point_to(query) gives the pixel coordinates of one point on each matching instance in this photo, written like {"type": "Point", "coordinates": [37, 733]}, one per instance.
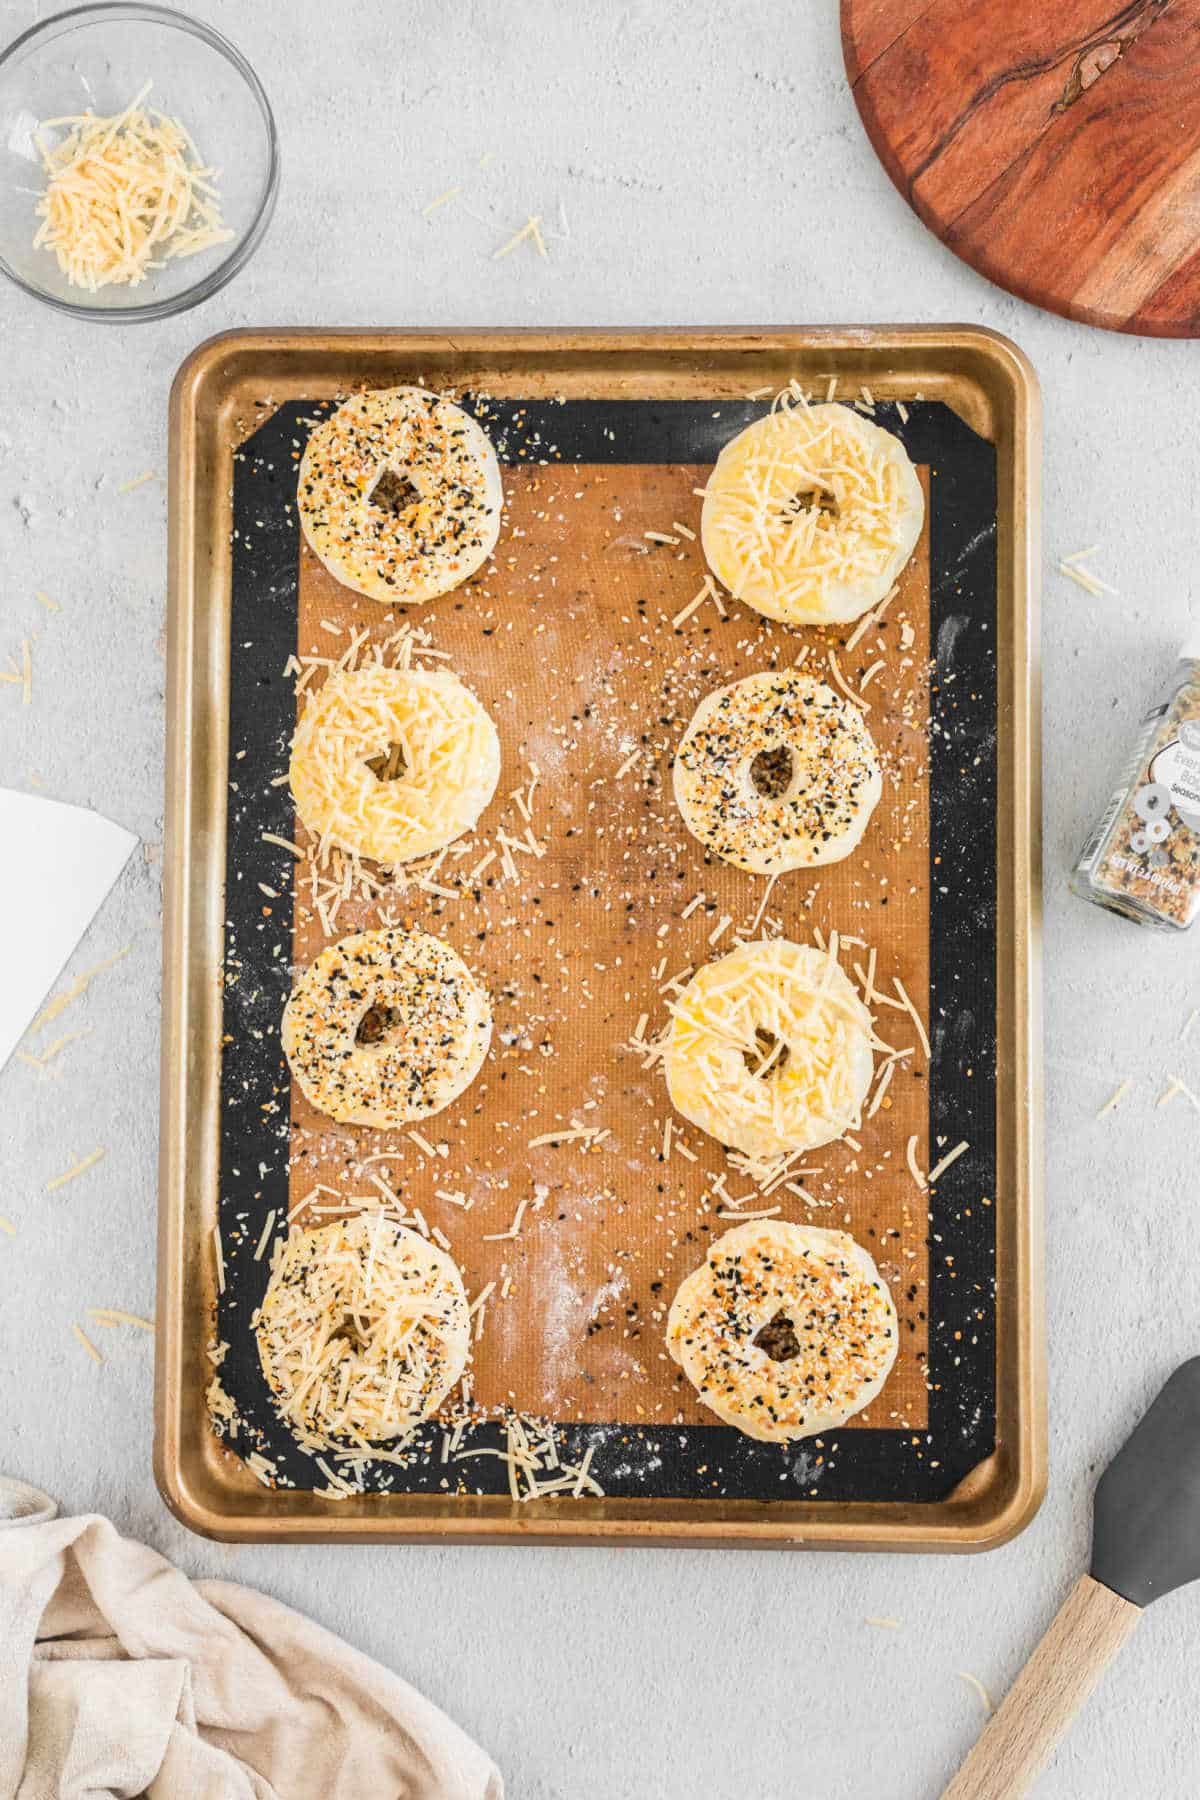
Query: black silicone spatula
{"type": "Point", "coordinates": [1145, 1542]}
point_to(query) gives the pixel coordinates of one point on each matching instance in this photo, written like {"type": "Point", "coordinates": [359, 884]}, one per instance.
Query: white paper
{"type": "Point", "coordinates": [59, 862]}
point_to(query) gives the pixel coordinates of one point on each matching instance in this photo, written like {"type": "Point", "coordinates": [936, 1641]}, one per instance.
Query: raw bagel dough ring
{"type": "Point", "coordinates": [435, 1024]}
{"type": "Point", "coordinates": [826, 802]}
{"type": "Point", "coordinates": [833, 1322]}
{"type": "Point", "coordinates": [451, 761]}
{"type": "Point", "coordinates": [380, 1312]}
{"type": "Point", "coordinates": [400, 495]}
{"type": "Point", "coordinates": [770, 542]}
{"type": "Point", "coordinates": [791, 1009]}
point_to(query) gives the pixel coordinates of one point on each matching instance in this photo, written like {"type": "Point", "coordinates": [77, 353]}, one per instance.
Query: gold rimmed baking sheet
{"type": "Point", "coordinates": [569, 641]}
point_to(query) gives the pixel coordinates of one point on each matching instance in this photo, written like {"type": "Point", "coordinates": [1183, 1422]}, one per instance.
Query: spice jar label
{"type": "Point", "coordinates": [1177, 769]}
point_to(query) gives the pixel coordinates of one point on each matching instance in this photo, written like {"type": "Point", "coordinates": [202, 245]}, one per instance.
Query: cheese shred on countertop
{"type": "Point", "coordinates": [123, 195]}
{"type": "Point", "coordinates": [86, 1342]}
{"type": "Point", "coordinates": [76, 1169]}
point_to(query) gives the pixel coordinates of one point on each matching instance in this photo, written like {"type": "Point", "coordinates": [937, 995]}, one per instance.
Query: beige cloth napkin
{"type": "Point", "coordinates": [120, 1677]}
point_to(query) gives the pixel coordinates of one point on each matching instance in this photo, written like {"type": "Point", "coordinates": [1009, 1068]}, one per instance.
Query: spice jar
{"type": "Point", "coordinates": [1143, 858]}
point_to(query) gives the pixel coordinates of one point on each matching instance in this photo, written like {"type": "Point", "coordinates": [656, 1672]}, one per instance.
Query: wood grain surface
{"type": "Point", "coordinates": [1055, 148]}
{"type": "Point", "coordinates": [1090, 1627]}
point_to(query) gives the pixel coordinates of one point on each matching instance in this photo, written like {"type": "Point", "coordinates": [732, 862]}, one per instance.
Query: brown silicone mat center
{"type": "Point", "coordinates": [568, 642]}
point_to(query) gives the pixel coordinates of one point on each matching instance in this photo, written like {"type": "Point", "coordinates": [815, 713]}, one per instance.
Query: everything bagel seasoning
{"type": "Point", "coordinates": [1143, 858]}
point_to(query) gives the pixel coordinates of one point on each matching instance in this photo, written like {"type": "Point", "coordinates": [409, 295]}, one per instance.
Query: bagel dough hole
{"type": "Point", "coordinates": [377, 1024]}
{"type": "Point", "coordinates": [350, 1331]}
{"type": "Point", "coordinates": [390, 765]}
{"type": "Point", "coordinates": [769, 1056]}
{"type": "Point", "coordinates": [393, 492]}
{"type": "Point", "coordinates": [772, 771]}
{"type": "Point", "coordinates": [819, 499]}
{"type": "Point", "coordinates": [778, 1339]}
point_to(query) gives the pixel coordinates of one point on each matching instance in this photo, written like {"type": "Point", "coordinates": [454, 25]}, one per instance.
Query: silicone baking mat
{"type": "Point", "coordinates": [569, 638]}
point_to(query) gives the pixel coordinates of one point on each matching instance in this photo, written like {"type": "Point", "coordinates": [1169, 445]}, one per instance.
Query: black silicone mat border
{"type": "Point", "coordinates": [679, 1462]}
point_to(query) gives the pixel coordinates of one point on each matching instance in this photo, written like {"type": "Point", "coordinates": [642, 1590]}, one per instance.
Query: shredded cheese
{"type": "Point", "coordinates": [115, 1315]}
{"type": "Point", "coordinates": [80, 985]}
{"type": "Point", "coordinates": [442, 199]}
{"type": "Point", "coordinates": [950, 1157]}
{"type": "Point", "coordinates": [1114, 1099]}
{"type": "Point", "coordinates": [532, 228]}
{"type": "Point", "coordinates": [123, 195]}
{"type": "Point", "coordinates": [910, 1153]}
{"type": "Point", "coordinates": [76, 1169]}
{"type": "Point", "coordinates": [87, 1343]}
{"type": "Point", "coordinates": [583, 1133]}
{"type": "Point", "coordinates": [1179, 1087]}
{"type": "Point", "coordinates": [911, 1010]}
{"type": "Point", "coordinates": [530, 1452]}
{"type": "Point", "coordinates": [974, 1682]}
{"type": "Point", "coordinates": [265, 1239]}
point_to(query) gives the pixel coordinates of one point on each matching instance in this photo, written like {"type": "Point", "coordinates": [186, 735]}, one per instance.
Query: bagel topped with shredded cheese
{"type": "Point", "coordinates": [385, 1027]}
{"type": "Point", "coordinates": [811, 513]}
{"type": "Point", "coordinates": [770, 1049]}
{"type": "Point", "coordinates": [393, 763]}
{"type": "Point", "coordinates": [362, 1332]}
{"type": "Point", "coordinates": [784, 1330]}
{"type": "Point", "coordinates": [400, 495]}
{"type": "Point", "coordinates": [777, 772]}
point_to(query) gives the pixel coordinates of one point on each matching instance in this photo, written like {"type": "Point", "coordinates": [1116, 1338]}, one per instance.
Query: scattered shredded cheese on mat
{"type": "Point", "coordinates": [123, 195]}
{"type": "Point", "coordinates": [950, 1156]}
{"type": "Point", "coordinates": [531, 1451]}
{"type": "Point", "coordinates": [910, 1152]}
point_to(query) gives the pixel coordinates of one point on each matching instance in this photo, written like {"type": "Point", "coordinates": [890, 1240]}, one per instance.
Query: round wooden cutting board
{"type": "Point", "coordinates": [1052, 144]}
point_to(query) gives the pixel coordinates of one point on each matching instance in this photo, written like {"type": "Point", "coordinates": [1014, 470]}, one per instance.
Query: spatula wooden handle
{"type": "Point", "coordinates": [1089, 1629]}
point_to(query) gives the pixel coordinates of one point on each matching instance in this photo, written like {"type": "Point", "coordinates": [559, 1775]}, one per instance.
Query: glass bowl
{"type": "Point", "coordinates": [101, 57]}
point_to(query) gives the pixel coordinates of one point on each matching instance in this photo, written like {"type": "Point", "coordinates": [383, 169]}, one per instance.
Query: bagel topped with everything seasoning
{"type": "Point", "coordinates": [400, 495]}
{"type": "Point", "coordinates": [785, 1330]}
{"type": "Point", "coordinates": [362, 1332]}
{"type": "Point", "coordinates": [385, 1027]}
{"type": "Point", "coordinates": [777, 772]}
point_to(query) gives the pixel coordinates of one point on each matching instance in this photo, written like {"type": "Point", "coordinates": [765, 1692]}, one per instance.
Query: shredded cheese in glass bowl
{"type": "Point", "coordinates": [138, 161]}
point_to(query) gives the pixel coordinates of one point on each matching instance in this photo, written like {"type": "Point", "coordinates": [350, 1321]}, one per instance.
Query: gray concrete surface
{"type": "Point", "coordinates": [712, 169]}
